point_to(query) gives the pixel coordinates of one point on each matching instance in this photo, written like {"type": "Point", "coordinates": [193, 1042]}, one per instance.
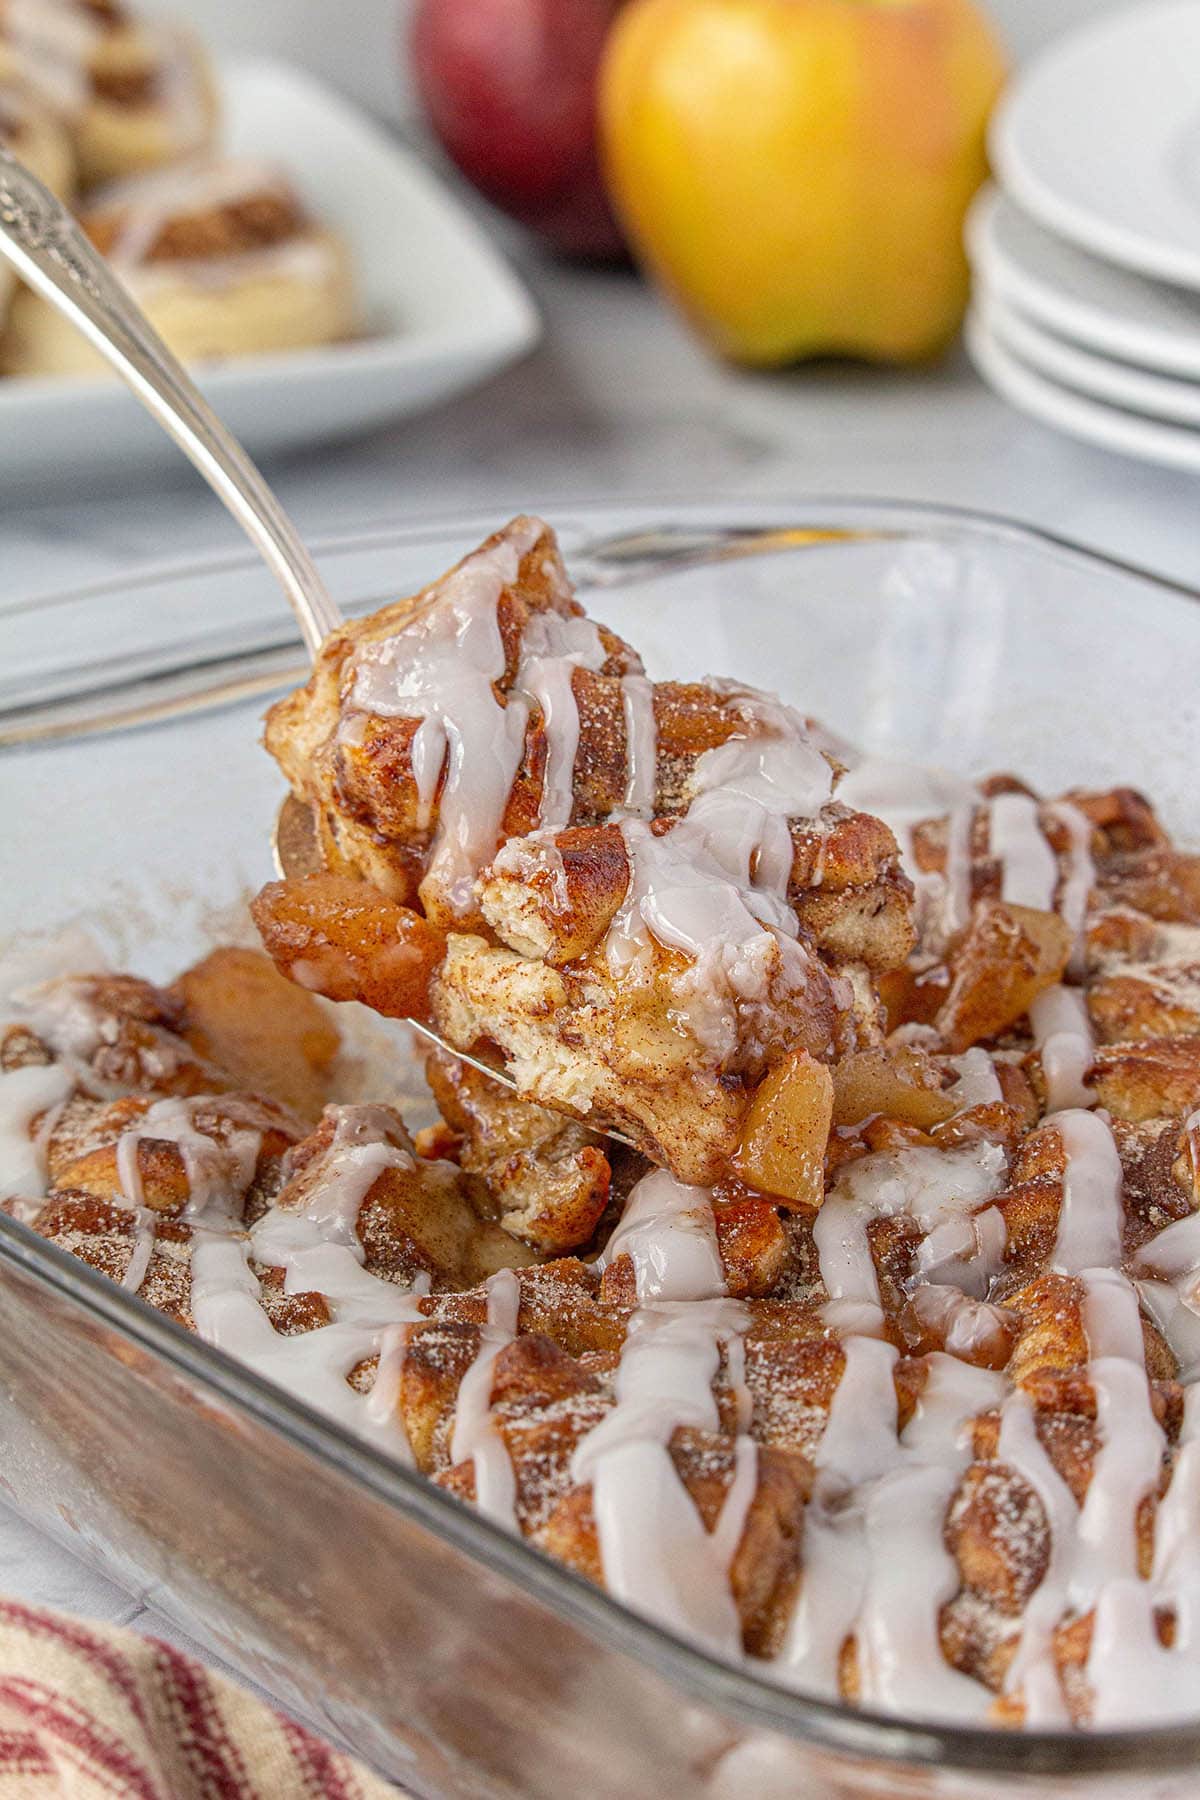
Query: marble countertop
{"type": "Point", "coordinates": [617, 403]}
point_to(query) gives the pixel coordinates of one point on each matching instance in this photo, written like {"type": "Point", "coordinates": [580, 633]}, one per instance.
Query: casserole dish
{"type": "Point", "coordinates": [459, 1660]}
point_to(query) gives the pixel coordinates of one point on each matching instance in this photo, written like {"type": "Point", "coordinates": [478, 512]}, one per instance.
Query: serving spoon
{"type": "Point", "coordinates": [53, 255]}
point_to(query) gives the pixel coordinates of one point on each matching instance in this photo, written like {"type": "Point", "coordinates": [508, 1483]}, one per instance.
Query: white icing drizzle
{"type": "Point", "coordinates": [1173, 1308]}
{"type": "Point", "coordinates": [859, 1440]}
{"type": "Point", "coordinates": [309, 255]}
{"type": "Point", "coordinates": [551, 650]}
{"type": "Point", "coordinates": [1079, 878]}
{"type": "Point", "coordinates": [1062, 1035]}
{"type": "Point", "coordinates": [977, 1084]}
{"type": "Point", "coordinates": [24, 1094]}
{"type": "Point", "coordinates": [384, 1397]}
{"type": "Point", "coordinates": [901, 1665]}
{"type": "Point", "coordinates": [715, 885]}
{"type": "Point", "coordinates": [358, 1153]}
{"type": "Point", "coordinates": [54, 42]}
{"type": "Point", "coordinates": [873, 1533]}
{"type": "Point", "coordinates": [953, 1394]}
{"type": "Point", "coordinates": [218, 1171]}
{"type": "Point", "coordinates": [1093, 1548]}
{"type": "Point", "coordinates": [875, 1562]}
{"type": "Point", "coordinates": [1135, 1679]}
{"type": "Point", "coordinates": [667, 1230]}
{"type": "Point", "coordinates": [1032, 1668]}
{"type": "Point", "coordinates": [1092, 1216]}
{"type": "Point", "coordinates": [726, 1534]}
{"type": "Point", "coordinates": [443, 668]}
{"type": "Point", "coordinates": [956, 906]}
{"type": "Point", "coordinates": [970, 1328]}
{"type": "Point", "coordinates": [475, 1437]}
{"type": "Point", "coordinates": [963, 1252]}
{"type": "Point", "coordinates": [316, 1245]}
{"type": "Point", "coordinates": [831, 1590]}
{"type": "Point", "coordinates": [1176, 1249]}
{"type": "Point", "coordinates": [1126, 1469]}
{"type": "Point", "coordinates": [143, 1250]}
{"type": "Point", "coordinates": [312, 1365]}
{"type": "Point", "coordinates": [63, 1017]}
{"type": "Point", "coordinates": [34, 994]}
{"type": "Point", "coordinates": [931, 1186]}
{"type": "Point", "coordinates": [656, 1553]}
{"type": "Point", "coordinates": [150, 201]}
{"type": "Point", "coordinates": [641, 745]}
{"type": "Point", "coordinates": [440, 668]}
{"type": "Point", "coordinates": [1030, 867]}
{"type": "Point", "coordinates": [905, 795]}
{"type": "Point", "coordinates": [1111, 1317]}
{"type": "Point", "coordinates": [1174, 1300]}
{"type": "Point", "coordinates": [57, 44]}
{"type": "Point", "coordinates": [898, 1642]}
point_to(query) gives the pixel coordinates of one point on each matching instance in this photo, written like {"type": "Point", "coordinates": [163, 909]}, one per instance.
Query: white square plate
{"type": "Point", "coordinates": [1099, 139]}
{"type": "Point", "coordinates": [440, 309]}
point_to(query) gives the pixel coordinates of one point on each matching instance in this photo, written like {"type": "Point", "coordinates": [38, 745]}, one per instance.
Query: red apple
{"type": "Point", "coordinates": [510, 88]}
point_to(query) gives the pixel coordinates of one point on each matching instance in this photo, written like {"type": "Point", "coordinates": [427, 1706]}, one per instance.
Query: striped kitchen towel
{"type": "Point", "coordinates": [99, 1714]}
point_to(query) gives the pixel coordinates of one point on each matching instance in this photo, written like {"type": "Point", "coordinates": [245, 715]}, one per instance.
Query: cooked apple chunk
{"type": "Point", "coordinates": [1007, 957]}
{"type": "Point", "coordinates": [344, 939]}
{"type": "Point", "coordinates": [782, 1151]}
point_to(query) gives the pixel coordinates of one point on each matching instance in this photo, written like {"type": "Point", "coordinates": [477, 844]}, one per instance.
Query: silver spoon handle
{"type": "Point", "coordinates": [50, 252]}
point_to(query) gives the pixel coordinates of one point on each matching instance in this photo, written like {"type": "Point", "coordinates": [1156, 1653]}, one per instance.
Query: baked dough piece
{"type": "Point", "coordinates": [222, 258]}
{"type": "Point", "coordinates": [651, 894]}
{"type": "Point", "coordinates": [419, 813]}
{"type": "Point", "coordinates": [36, 134]}
{"type": "Point", "coordinates": [134, 94]}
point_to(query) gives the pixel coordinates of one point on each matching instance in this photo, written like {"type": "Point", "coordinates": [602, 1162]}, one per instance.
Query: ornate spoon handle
{"type": "Point", "coordinates": [50, 252]}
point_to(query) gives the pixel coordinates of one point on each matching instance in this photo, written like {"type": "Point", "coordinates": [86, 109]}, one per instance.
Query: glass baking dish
{"type": "Point", "coordinates": [456, 1659]}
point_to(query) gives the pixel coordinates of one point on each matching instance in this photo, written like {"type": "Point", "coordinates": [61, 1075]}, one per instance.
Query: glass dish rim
{"type": "Point", "coordinates": [751, 1698]}
{"type": "Point", "coordinates": [899, 515]}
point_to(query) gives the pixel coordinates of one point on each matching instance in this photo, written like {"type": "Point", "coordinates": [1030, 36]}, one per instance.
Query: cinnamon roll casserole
{"type": "Point", "coordinates": [867, 1353]}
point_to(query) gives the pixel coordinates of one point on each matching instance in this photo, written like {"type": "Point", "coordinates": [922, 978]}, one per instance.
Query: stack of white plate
{"type": "Point", "coordinates": [1086, 256]}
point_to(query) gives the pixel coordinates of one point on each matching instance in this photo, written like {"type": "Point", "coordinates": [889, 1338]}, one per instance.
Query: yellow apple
{"type": "Point", "coordinates": [796, 172]}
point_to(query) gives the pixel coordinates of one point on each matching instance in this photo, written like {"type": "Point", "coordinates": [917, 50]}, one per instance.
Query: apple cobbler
{"type": "Point", "coordinates": [824, 1283]}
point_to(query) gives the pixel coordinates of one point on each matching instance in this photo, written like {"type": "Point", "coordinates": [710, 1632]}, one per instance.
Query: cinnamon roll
{"type": "Point", "coordinates": [36, 134]}
{"type": "Point", "coordinates": [221, 255]}
{"type": "Point", "coordinates": [134, 94]}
